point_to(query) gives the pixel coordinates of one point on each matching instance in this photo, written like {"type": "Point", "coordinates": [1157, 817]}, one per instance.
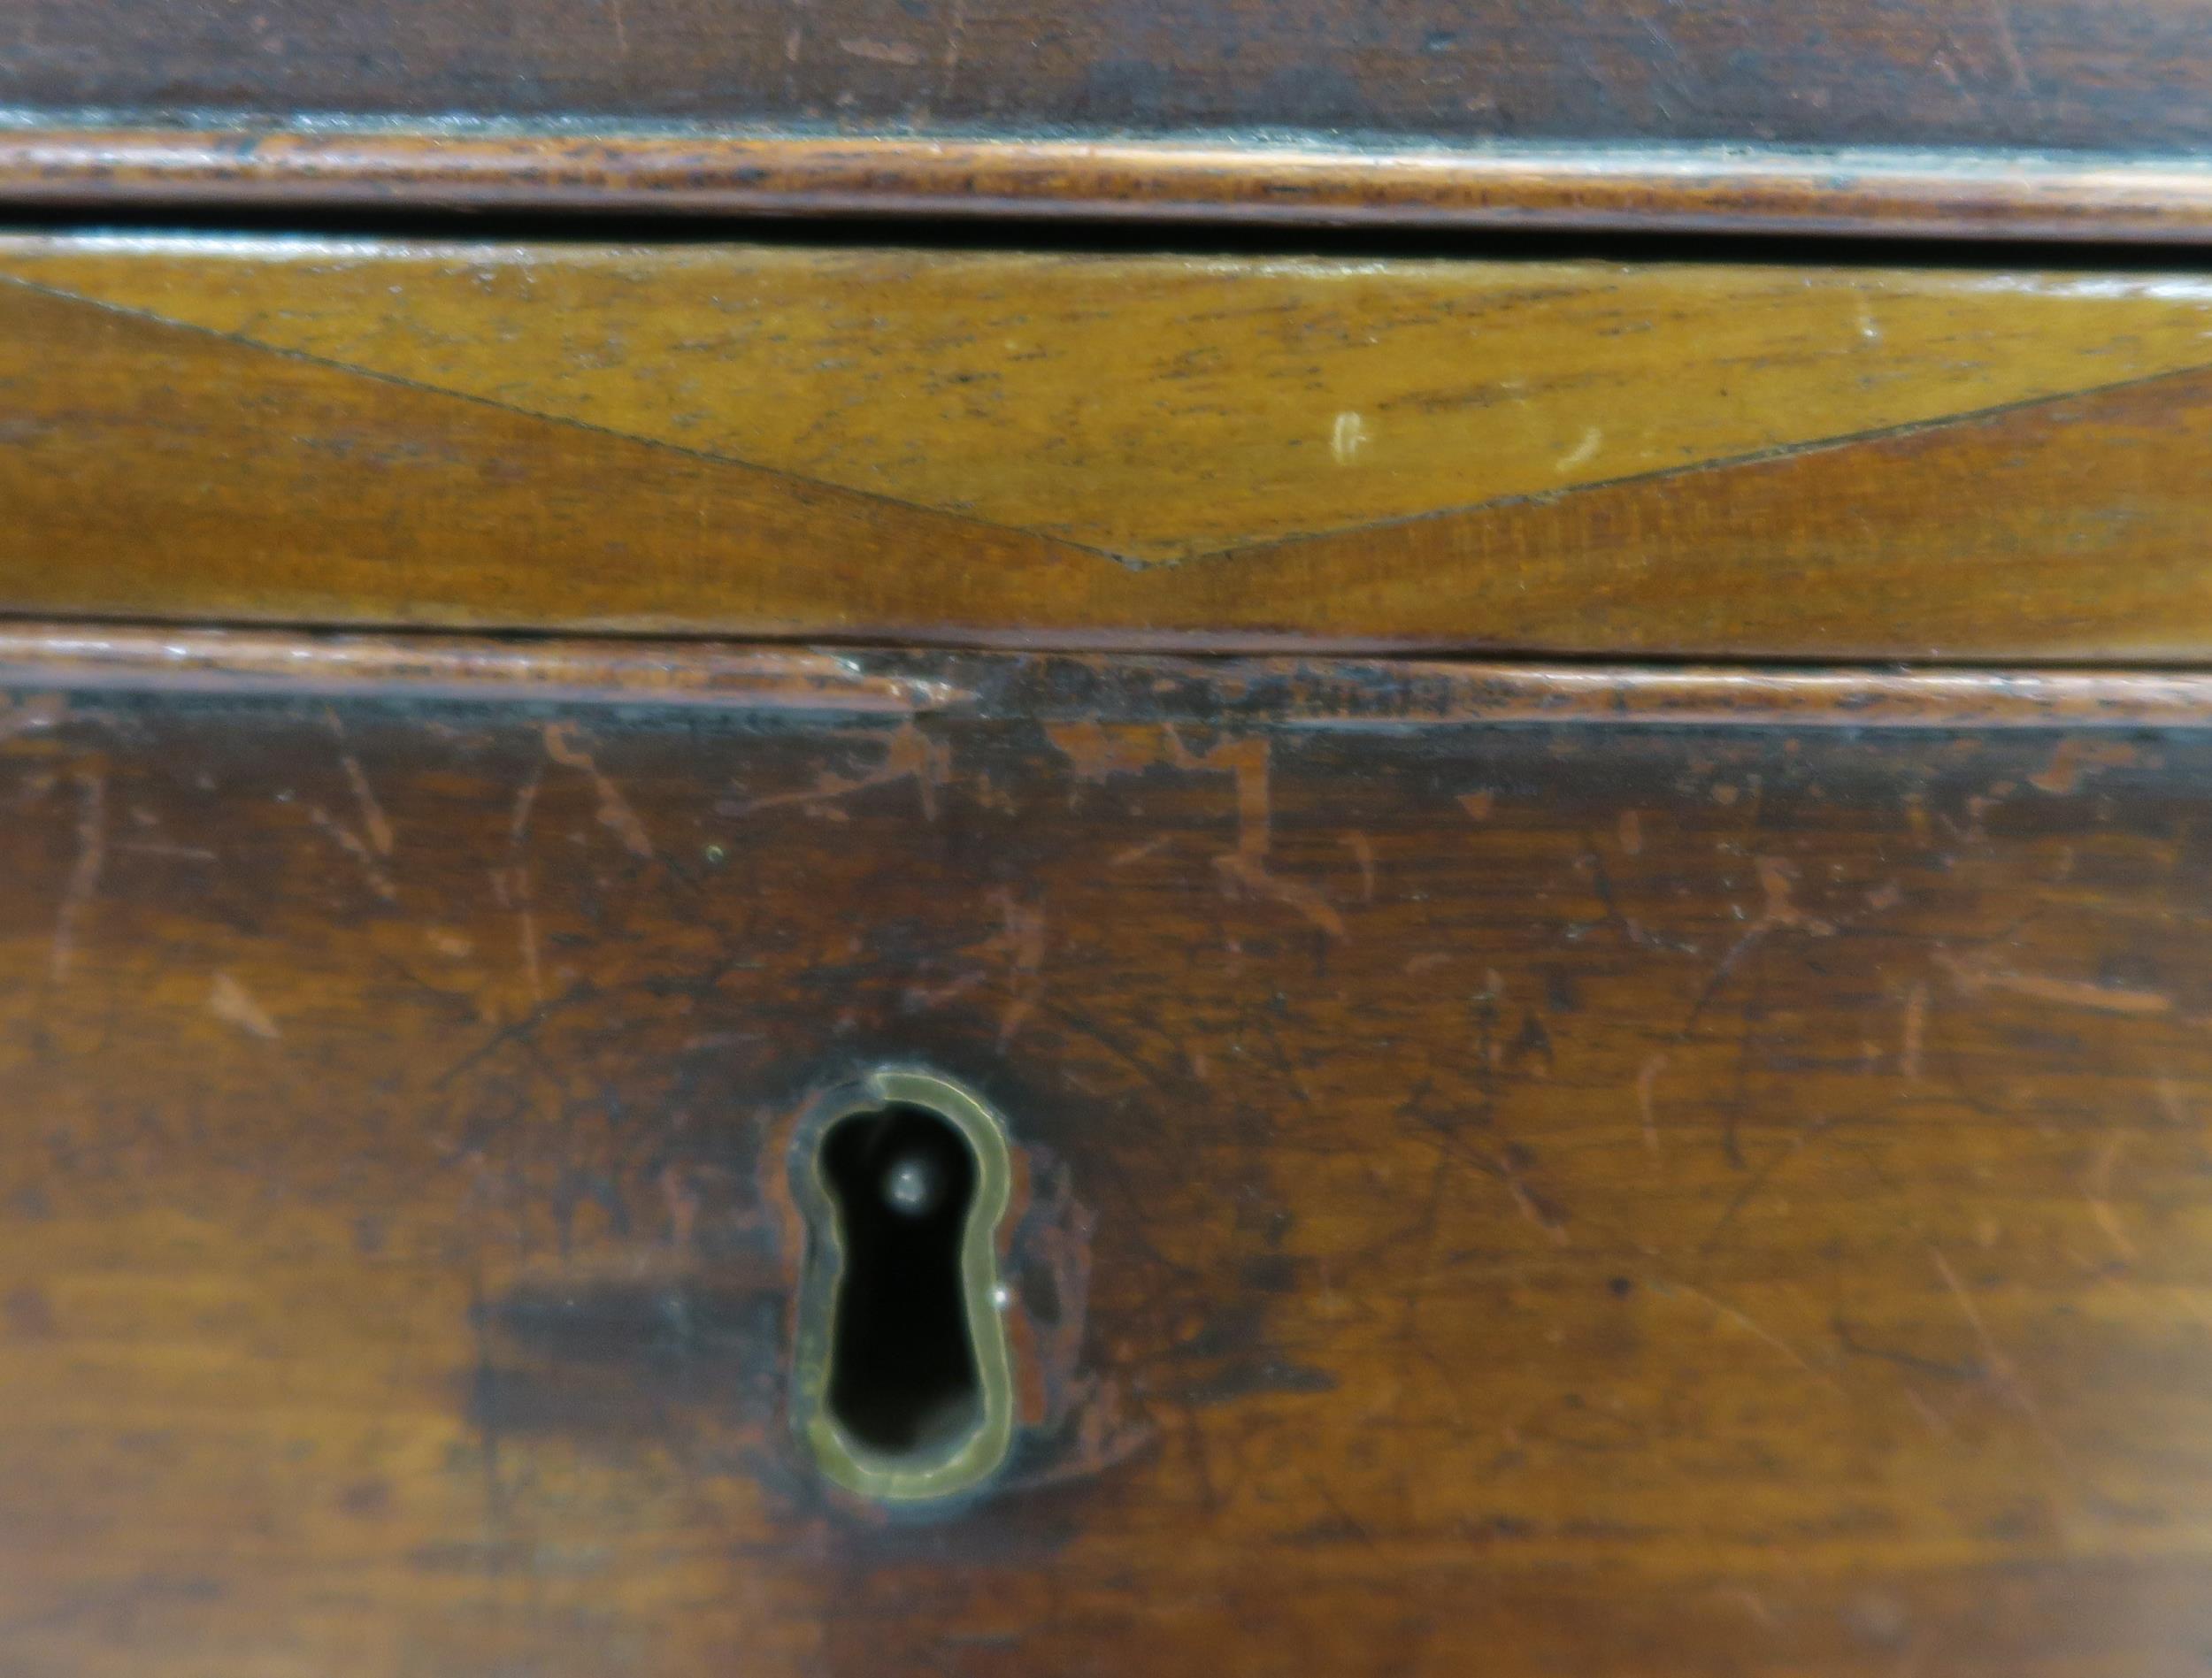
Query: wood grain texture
{"type": "Point", "coordinates": [1157, 409]}
{"type": "Point", "coordinates": [1563, 1197]}
{"type": "Point", "coordinates": [1580, 457]}
{"type": "Point", "coordinates": [2038, 75]}
{"type": "Point", "coordinates": [1993, 86]}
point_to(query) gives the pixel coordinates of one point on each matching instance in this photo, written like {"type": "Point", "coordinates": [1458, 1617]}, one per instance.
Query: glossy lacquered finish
{"type": "Point", "coordinates": [1113, 451]}
{"type": "Point", "coordinates": [1692, 1197]}
{"type": "Point", "coordinates": [1729, 188]}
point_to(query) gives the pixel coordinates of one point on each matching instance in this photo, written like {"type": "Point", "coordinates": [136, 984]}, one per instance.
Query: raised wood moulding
{"type": "Point", "coordinates": [1685, 188]}
{"type": "Point", "coordinates": [2048, 117]}
{"type": "Point", "coordinates": [1320, 693]}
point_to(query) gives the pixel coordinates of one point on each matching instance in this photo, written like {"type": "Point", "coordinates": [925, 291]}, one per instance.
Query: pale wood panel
{"type": "Point", "coordinates": [154, 466]}
{"type": "Point", "coordinates": [1162, 408]}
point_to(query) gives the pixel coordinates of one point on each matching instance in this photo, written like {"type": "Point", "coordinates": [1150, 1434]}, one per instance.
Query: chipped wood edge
{"type": "Point", "coordinates": [1963, 193]}
{"type": "Point", "coordinates": [1315, 694]}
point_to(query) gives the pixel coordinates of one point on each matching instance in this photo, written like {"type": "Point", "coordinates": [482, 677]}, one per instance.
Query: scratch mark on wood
{"type": "Point", "coordinates": [1024, 940]}
{"type": "Point", "coordinates": [2073, 758]}
{"type": "Point", "coordinates": [1751, 1326]}
{"type": "Point", "coordinates": [372, 818]}
{"type": "Point", "coordinates": [896, 52]}
{"type": "Point", "coordinates": [1777, 877]}
{"type": "Point", "coordinates": [1137, 853]}
{"type": "Point", "coordinates": [159, 847]}
{"type": "Point", "coordinates": [1915, 1029]}
{"type": "Point", "coordinates": [512, 888]}
{"type": "Point", "coordinates": [30, 712]}
{"type": "Point", "coordinates": [920, 998]}
{"type": "Point", "coordinates": [1930, 1418]}
{"type": "Point", "coordinates": [955, 41]}
{"type": "Point", "coordinates": [1760, 1179]}
{"type": "Point", "coordinates": [2172, 1105]}
{"type": "Point", "coordinates": [526, 801]}
{"type": "Point", "coordinates": [2083, 994]}
{"type": "Point", "coordinates": [1646, 1080]}
{"type": "Point", "coordinates": [908, 754]}
{"type": "Point", "coordinates": [615, 812]}
{"type": "Point", "coordinates": [229, 1001]}
{"type": "Point", "coordinates": [2098, 1192]}
{"type": "Point", "coordinates": [2009, 46]}
{"type": "Point", "coordinates": [1752, 1604]}
{"type": "Point", "coordinates": [1096, 753]}
{"type": "Point", "coordinates": [350, 842]}
{"type": "Point", "coordinates": [1525, 1203]}
{"type": "Point", "coordinates": [1593, 439]}
{"type": "Point", "coordinates": [84, 872]}
{"type": "Point", "coordinates": [2003, 1374]}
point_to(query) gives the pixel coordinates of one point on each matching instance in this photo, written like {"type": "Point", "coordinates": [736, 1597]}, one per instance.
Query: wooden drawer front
{"type": "Point", "coordinates": [1570, 456]}
{"type": "Point", "coordinates": [1673, 1193]}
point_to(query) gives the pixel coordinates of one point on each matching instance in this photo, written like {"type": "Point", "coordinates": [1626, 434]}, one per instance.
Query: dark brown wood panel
{"type": "Point", "coordinates": [2032, 73]}
{"type": "Point", "coordinates": [951, 100]}
{"type": "Point", "coordinates": [1723, 460]}
{"type": "Point", "coordinates": [1520, 1197]}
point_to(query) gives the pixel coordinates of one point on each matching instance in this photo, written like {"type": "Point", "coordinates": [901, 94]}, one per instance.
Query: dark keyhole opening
{"type": "Point", "coordinates": [902, 1366]}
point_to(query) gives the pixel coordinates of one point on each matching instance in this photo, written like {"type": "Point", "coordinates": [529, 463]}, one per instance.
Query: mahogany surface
{"type": "Point", "coordinates": [1694, 1196]}
{"type": "Point", "coordinates": [2013, 116]}
{"type": "Point", "coordinates": [2037, 75]}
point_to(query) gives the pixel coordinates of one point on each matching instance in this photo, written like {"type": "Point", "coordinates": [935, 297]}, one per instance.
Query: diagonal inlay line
{"type": "Point", "coordinates": [1902, 429]}
{"type": "Point", "coordinates": [400, 381]}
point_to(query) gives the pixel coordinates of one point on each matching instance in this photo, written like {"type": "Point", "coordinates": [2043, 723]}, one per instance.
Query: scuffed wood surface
{"type": "Point", "coordinates": [2033, 75]}
{"type": "Point", "coordinates": [1692, 1199]}
{"type": "Point", "coordinates": [1112, 452]}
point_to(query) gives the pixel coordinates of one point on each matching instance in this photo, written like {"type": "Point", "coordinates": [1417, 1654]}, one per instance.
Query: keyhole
{"type": "Point", "coordinates": [903, 1376]}
{"type": "Point", "coordinates": [901, 1387]}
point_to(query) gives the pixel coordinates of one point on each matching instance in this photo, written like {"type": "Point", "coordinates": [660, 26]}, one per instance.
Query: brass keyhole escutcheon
{"type": "Point", "coordinates": [902, 1385]}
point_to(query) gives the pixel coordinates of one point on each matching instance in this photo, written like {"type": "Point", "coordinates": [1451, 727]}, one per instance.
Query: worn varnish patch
{"type": "Point", "coordinates": [1739, 1192]}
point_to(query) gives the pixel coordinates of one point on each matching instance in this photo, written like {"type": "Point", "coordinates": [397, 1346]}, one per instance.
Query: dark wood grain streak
{"type": "Point", "coordinates": [1719, 189]}
{"type": "Point", "coordinates": [1522, 1197]}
